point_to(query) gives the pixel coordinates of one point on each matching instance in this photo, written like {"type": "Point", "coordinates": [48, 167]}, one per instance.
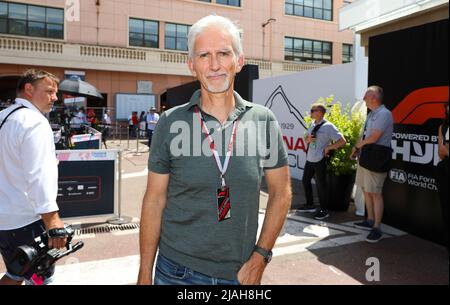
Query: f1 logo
{"type": "Point", "coordinates": [421, 105]}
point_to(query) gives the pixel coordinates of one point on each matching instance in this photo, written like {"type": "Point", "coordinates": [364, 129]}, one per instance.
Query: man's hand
{"type": "Point", "coordinates": [144, 277]}
{"type": "Point", "coordinates": [327, 151]}
{"type": "Point", "coordinates": [280, 197]}
{"type": "Point", "coordinates": [309, 139]}
{"type": "Point", "coordinates": [443, 151]}
{"type": "Point", "coordinates": [359, 145]}
{"type": "Point", "coordinates": [153, 205]}
{"type": "Point", "coordinates": [52, 221]}
{"type": "Point", "coordinates": [354, 153]}
{"type": "Point", "coordinates": [252, 271]}
{"type": "Point", "coordinates": [58, 243]}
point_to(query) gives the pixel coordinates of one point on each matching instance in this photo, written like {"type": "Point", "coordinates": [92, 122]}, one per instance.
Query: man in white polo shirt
{"type": "Point", "coordinates": [28, 171]}
{"type": "Point", "coordinates": [152, 120]}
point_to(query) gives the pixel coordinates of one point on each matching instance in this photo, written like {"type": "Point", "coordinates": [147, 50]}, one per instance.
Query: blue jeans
{"type": "Point", "coordinates": [167, 272]}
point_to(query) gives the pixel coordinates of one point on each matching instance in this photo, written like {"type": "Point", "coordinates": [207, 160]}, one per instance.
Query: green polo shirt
{"type": "Point", "coordinates": [191, 234]}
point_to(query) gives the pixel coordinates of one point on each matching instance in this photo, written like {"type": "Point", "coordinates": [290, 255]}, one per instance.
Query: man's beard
{"type": "Point", "coordinates": [224, 88]}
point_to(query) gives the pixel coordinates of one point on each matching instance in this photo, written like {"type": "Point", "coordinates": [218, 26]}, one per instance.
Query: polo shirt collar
{"type": "Point", "coordinates": [378, 109]}
{"type": "Point", "coordinates": [241, 104]}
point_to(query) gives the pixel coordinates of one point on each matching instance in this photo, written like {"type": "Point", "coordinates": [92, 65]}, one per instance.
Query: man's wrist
{"type": "Point", "coordinates": [57, 233]}
{"type": "Point", "coordinates": [258, 259]}
{"type": "Point", "coordinates": [145, 270]}
{"type": "Point", "coordinates": [264, 253]}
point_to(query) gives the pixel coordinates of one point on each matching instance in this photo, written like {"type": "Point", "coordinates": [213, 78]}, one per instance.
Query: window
{"type": "Point", "coordinates": [176, 36]}
{"type": "Point", "coordinates": [317, 9]}
{"type": "Point", "coordinates": [229, 2]}
{"type": "Point", "coordinates": [306, 50]}
{"type": "Point", "coordinates": [347, 53]}
{"type": "Point", "coordinates": [31, 20]}
{"type": "Point", "coordinates": [3, 17]}
{"type": "Point", "coordinates": [143, 33]}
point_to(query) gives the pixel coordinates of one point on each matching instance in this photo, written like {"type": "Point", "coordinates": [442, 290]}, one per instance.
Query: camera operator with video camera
{"type": "Point", "coordinates": [29, 173]}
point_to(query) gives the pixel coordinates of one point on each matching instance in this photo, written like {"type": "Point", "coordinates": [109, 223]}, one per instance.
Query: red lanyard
{"type": "Point", "coordinates": [222, 168]}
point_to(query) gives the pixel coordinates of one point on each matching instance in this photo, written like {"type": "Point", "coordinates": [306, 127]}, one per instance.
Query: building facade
{"type": "Point", "coordinates": [116, 44]}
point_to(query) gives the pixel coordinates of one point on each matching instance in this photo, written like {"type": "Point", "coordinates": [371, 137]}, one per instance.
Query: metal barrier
{"type": "Point", "coordinates": [117, 131]}
{"type": "Point", "coordinates": [121, 133]}
{"type": "Point", "coordinates": [120, 219]}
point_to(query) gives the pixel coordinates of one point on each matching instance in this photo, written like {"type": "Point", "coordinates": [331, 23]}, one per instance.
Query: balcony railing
{"type": "Point", "coordinates": [176, 58]}
{"type": "Point", "coordinates": [299, 67]}
{"type": "Point", "coordinates": [108, 52]}
{"type": "Point", "coordinates": [27, 45]}
{"type": "Point", "coordinates": [60, 54]}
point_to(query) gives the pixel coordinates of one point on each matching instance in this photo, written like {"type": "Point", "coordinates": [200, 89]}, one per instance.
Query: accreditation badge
{"type": "Point", "coordinates": [223, 203]}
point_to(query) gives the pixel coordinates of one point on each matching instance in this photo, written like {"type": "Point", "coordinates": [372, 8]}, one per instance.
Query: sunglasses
{"type": "Point", "coordinates": [314, 110]}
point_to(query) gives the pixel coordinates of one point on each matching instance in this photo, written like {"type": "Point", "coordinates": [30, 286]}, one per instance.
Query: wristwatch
{"type": "Point", "coordinates": [267, 254]}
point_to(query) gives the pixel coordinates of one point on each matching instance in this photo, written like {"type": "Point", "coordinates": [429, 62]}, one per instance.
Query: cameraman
{"type": "Point", "coordinates": [28, 171]}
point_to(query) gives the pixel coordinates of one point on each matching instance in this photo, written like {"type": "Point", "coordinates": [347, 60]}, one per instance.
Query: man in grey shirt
{"type": "Point", "coordinates": [202, 200]}
{"type": "Point", "coordinates": [322, 137]}
{"type": "Point", "coordinates": [378, 130]}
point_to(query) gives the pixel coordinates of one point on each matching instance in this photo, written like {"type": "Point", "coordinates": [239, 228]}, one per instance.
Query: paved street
{"type": "Point", "coordinates": [308, 252]}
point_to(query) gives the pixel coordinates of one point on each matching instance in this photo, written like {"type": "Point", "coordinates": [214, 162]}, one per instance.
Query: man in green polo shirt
{"type": "Point", "coordinates": [207, 160]}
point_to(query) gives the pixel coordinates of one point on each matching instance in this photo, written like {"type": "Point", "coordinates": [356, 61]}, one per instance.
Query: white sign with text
{"type": "Point", "coordinates": [290, 98]}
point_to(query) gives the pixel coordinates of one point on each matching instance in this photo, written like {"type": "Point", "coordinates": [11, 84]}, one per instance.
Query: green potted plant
{"type": "Point", "coordinates": [341, 169]}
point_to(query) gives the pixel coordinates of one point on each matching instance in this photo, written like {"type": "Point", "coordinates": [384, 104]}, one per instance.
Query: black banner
{"type": "Point", "coordinates": [411, 66]}
{"type": "Point", "coordinates": [86, 188]}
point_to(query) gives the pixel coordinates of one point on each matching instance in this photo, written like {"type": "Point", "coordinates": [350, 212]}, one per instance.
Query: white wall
{"type": "Point", "coordinates": [361, 68]}
{"type": "Point", "coordinates": [290, 97]}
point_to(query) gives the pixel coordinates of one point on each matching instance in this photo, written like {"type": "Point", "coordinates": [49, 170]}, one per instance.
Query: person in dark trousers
{"type": "Point", "coordinates": [322, 137]}
{"type": "Point", "coordinates": [142, 124]}
{"type": "Point", "coordinates": [133, 123]}
{"type": "Point", "coordinates": [442, 168]}
{"type": "Point", "coordinates": [28, 173]}
{"type": "Point", "coordinates": [152, 120]}
{"type": "Point", "coordinates": [106, 121]}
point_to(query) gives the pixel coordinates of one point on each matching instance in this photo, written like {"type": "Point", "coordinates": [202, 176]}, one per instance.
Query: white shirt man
{"type": "Point", "coordinates": [28, 172]}
{"type": "Point", "coordinates": [106, 118]}
{"type": "Point", "coordinates": [28, 167]}
{"type": "Point", "coordinates": [82, 116]}
{"type": "Point", "coordinates": [75, 122]}
{"type": "Point", "coordinates": [152, 120]}
{"type": "Point", "coordinates": [107, 126]}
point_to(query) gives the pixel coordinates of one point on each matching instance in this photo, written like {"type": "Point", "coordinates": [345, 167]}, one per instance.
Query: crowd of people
{"type": "Point", "coordinates": [144, 125]}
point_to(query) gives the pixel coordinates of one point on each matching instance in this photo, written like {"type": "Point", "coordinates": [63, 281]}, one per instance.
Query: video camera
{"type": "Point", "coordinates": [38, 257]}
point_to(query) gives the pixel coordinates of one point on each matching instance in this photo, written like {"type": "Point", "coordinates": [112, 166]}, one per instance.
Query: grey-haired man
{"type": "Point", "coordinates": [201, 211]}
